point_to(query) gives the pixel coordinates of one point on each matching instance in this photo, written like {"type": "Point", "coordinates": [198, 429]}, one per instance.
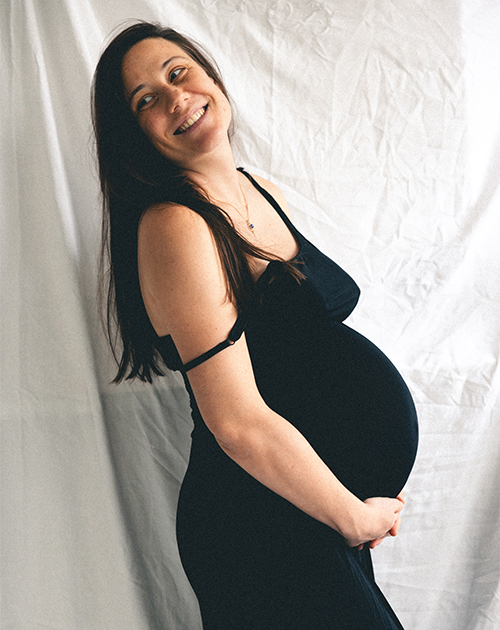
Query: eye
{"type": "Point", "coordinates": [144, 102]}
{"type": "Point", "coordinates": [176, 73]}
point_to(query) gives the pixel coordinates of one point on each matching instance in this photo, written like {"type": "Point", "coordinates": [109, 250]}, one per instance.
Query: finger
{"type": "Point", "coordinates": [397, 510]}
{"type": "Point", "coordinates": [401, 498]}
{"type": "Point", "coordinates": [375, 543]}
{"type": "Point", "coordinates": [398, 506]}
{"type": "Point", "coordinates": [395, 529]}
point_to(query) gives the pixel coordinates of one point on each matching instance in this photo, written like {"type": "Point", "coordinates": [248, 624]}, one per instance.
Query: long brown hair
{"type": "Point", "coordinates": [135, 176]}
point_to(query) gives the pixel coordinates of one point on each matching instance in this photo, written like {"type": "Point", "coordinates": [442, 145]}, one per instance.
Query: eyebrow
{"type": "Point", "coordinates": [143, 85]}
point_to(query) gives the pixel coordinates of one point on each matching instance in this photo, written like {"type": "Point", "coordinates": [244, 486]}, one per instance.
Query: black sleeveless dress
{"type": "Point", "coordinates": [255, 561]}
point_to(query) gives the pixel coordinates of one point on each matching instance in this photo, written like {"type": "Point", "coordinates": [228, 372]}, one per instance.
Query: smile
{"type": "Point", "coordinates": [190, 121]}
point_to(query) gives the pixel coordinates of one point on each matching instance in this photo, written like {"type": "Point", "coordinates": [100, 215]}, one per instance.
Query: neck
{"type": "Point", "coordinates": [217, 176]}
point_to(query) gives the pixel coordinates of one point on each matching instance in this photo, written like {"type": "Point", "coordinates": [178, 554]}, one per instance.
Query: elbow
{"type": "Point", "coordinates": [244, 429]}
{"type": "Point", "coordinates": [233, 440]}
{"type": "Point", "coordinates": [239, 437]}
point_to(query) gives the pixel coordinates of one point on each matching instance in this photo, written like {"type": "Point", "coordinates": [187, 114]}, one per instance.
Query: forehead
{"type": "Point", "coordinates": [146, 58]}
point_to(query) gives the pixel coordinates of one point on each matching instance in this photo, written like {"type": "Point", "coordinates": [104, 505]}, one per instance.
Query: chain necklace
{"type": "Point", "coordinates": [250, 225]}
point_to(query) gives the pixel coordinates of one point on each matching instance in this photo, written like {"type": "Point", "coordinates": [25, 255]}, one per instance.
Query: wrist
{"type": "Point", "coordinates": [353, 524]}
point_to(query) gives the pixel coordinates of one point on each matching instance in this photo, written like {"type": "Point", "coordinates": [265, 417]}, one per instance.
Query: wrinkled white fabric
{"type": "Point", "coordinates": [380, 121]}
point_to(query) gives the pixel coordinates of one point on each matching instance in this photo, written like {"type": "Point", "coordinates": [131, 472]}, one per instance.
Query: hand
{"type": "Point", "coordinates": [381, 520]}
{"type": "Point", "coordinates": [392, 532]}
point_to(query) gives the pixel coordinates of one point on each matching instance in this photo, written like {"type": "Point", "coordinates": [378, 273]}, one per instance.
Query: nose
{"type": "Point", "coordinates": [176, 97]}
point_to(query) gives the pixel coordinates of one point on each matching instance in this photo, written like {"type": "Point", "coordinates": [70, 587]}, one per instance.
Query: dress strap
{"type": "Point", "coordinates": [267, 195]}
{"type": "Point", "coordinates": [234, 334]}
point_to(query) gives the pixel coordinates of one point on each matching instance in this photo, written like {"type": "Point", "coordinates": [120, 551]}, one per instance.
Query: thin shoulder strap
{"type": "Point", "coordinates": [271, 200]}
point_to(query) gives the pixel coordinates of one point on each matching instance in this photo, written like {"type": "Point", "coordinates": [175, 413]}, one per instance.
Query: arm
{"type": "Point", "coordinates": [184, 292]}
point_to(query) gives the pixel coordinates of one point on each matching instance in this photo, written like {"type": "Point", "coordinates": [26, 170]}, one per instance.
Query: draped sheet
{"type": "Point", "coordinates": [380, 120]}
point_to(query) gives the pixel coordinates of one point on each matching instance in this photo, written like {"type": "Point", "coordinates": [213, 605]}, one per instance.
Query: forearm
{"type": "Point", "coordinates": [279, 456]}
{"type": "Point", "coordinates": [275, 453]}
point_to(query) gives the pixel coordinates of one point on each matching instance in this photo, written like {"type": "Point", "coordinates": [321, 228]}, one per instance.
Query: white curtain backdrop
{"type": "Point", "coordinates": [380, 120]}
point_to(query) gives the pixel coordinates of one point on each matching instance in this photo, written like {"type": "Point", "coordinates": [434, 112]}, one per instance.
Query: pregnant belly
{"type": "Point", "coordinates": [348, 400]}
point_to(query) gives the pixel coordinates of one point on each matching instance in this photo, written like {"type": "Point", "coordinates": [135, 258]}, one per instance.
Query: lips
{"type": "Point", "coordinates": [191, 120]}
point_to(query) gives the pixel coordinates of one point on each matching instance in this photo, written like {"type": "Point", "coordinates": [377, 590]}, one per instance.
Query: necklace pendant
{"type": "Point", "coordinates": [251, 226]}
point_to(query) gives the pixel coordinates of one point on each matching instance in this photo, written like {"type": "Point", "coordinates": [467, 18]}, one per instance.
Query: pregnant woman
{"type": "Point", "coordinates": [304, 432]}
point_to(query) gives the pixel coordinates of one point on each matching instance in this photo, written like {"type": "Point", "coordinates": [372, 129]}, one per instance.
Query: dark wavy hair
{"type": "Point", "coordinates": [135, 176]}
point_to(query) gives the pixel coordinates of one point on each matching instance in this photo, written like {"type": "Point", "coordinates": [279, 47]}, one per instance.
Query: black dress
{"type": "Point", "coordinates": [255, 561]}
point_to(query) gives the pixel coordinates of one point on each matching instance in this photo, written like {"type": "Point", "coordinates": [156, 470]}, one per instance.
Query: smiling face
{"type": "Point", "coordinates": [177, 105]}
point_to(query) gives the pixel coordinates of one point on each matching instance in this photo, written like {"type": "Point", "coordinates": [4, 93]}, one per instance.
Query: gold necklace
{"type": "Point", "coordinates": [250, 225]}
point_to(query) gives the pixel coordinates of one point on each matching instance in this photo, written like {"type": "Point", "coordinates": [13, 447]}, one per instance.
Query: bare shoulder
{"type": "Point", "coordinates": [176, 239]}
{"type": "Point", "coordinates": [182, 282]}
{"type": "Point", "coordinates": [173, 224]}
{"type": "Point", "coordinates": [274, 191]}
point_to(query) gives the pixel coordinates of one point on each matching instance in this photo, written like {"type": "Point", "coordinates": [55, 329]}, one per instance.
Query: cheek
{"type": "Point", "coordinates": [225, 108]}
{"type": "Point", "coordinates": [228, 106]}
{"type": "Point", "coordinates": [152, 128]}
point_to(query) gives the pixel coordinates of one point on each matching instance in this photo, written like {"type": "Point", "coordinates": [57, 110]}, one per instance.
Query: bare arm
{"type": "Point", "coordinates": [184, 292]}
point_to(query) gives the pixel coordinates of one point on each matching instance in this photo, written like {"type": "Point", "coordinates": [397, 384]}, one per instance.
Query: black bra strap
{"type": "Point", "coordinates": [234, 335]}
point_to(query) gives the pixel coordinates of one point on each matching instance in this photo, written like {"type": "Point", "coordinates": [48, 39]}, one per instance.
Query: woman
{"type": "Point", "coordinates": [304, 432]}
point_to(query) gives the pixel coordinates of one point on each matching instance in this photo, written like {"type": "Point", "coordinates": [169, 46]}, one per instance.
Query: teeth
{"type": "Point", "coordinates": [190, 121]}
